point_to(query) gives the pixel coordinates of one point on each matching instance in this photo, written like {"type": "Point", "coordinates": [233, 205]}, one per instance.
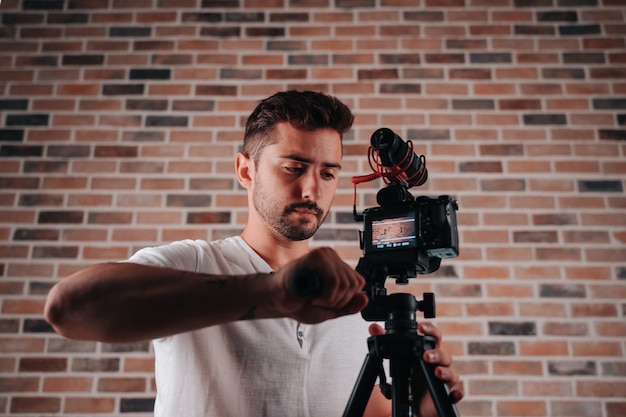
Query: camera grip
{"type": "Point", "coordinates": [306, 283]}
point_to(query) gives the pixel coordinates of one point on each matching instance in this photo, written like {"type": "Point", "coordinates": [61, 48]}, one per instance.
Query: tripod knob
{"type": "Point", "coordinates": [427, 305]}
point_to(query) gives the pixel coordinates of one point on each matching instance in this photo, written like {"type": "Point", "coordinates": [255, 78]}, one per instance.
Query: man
{"type": "Point", "coordinates": [230, 336]}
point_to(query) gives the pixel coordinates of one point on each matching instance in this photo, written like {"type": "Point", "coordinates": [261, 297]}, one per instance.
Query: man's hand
{"type": "Point", "coordinates": [423, 402]}
{"type": "Point", "coordinates": [340, 292]}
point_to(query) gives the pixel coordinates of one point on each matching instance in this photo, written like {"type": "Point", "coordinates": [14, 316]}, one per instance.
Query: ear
{"type": "Point", "coordinates": [244, 167]}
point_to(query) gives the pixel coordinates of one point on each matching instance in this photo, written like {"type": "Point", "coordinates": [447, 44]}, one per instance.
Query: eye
{"type": "Point", "coordinates": [293, 169]}
{"type": "Point", "coordinates": [328, 175]}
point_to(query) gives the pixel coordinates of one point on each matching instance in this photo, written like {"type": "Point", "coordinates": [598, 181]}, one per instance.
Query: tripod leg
{"type": "Point", "coordinates": [400, 372]}
{"type": "Point", "coordinates": [363, 388]}
{"type": "Point", "coordinates": [437, 388]}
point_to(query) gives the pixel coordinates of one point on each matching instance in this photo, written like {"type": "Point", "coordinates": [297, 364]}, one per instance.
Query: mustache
{"type": "Point", "coordinates": [307, 206]}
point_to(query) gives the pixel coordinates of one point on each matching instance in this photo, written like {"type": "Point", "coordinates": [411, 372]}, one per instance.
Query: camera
{"type": "Point", "coordinates": [404, 236]}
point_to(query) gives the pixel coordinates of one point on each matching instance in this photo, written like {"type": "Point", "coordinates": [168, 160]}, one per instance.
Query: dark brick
{"type": "Point", "coordinates": [14, 183]}
{"type": "Point", "coordinates": [131, 31]}
{"type": "Point", "coordinates": [483, 166]}
{"type": "Point", "coordinates": [570, 368]}
{"type": "Point", "coordinates": [32, 200]}
{"type": "Point", "coordinates": [208, 217]}
{"type": "Point", "coordinates": [226, 4]}
{"type": "Point", "coordinates": [608, 73]}
{"type": "Point", "coordinates": [241, 74]}
{"type": "Point", "coordinates": [150, 74]}
{"type": "Point", "coordinates": [22, 18]}
{"type": "Point", "coordinates": [355, 3]}
{"type": "Point", "coordinates": [68, 18]}
{"type": "Point", "coordinates": [557, 16]}
{"type": "Point", "coordinates": [21, 150]}
{"type": "Point", "coordinates": [125, 347]}
{"type": "Point", "coordinates": [46, 166]}
{"type": "Point", "coordinates": [490, 58]}
{"type": "Point", "coordinates": [13, 135]}
{"type": "Point", "coordinates": [95, 365]}
{"type": "Point", "coordinates": [265, 32]}
{"type": "Point", "coordinates": [13, 104]}
{"type": "Point", "coordinates": [519, 104]}
{"type": "Point", "coordinates": [466, 44]}
{"type": "Point", "coordinates": [82, 60]}
{"type": "Point", "coordinates": [37, 326]}
{"type": "Point", "coordinates": [88, 4]}
{"type": "Point", "coordinates": [144, 136]}
{"type": "Point", "coordinates": [562, 291]}
{"type": "Point", "coordinates": [74, 217]}
{"type": "Point", "coordinates": [137, 405]}
{"type": "Point", "coordinates": [122, 89]}
{"type": "Point", "coordinates": [167, 121]}
{"type": "Point", "coordinates": [282, 74]}
{"type": "Point", "coordinates": [429, 16]}
{"type": "Point", "coordinates": [612, 134]}
{"type": "Point", "coordinates": [428, 134]}
{"type": "Point", "coordinates": [202, 17]}
{"type": "Point", "coordinates": [193, 105]}
{"type": "Point", "coordinates": [289, 17]}
{"type": "Point", "coordinates": [539, 30]}
{"type": "Point", "coordinates": [404, 88]}
{"type": "Point", "coordinates": [558, 219]}
{"type": "Point", "coordinates": [186, 200]}
{"type": "Point", "coordinates": [36, 234]}
{"type": "Point", "coordinates": [307, 59]}
{"type": "Point", "coordinates": [43, 4]}
{"type": "Point", "coordinates": [536, 236]}
{"type": "Point", "coordinates": [216, 90]}
{"type": "Point", "coordinates": [43, 365]}
{"type": "Point", "coordinates": [105, 151]}
{"type": "Point", "coordinates": [27, 120]}
{"type": "Point", "coordinates": [378, 74]}
{"type": "Point", "coordinates": [68, 151]}
{"type": "Point", "coordinates": [444, 58]}
{"type": "Point", "coordinates": [580, 30]}
{"type": "Point", "coordinates": [527, 328]}
{"type": "Point", "coordinates": [400, 58]}
{"type": "Point", "coordinates": [244, 17]}
{"type": "Point", "coordinates": [609, 103]}
{"type": "Point", "coordinates": [584, 58]}
{"type": "Point", "coordinates": [146, 104]}
{"type": "Point", "coordinates": [600, 186]}
{"type": "Point", "coordinates": [563, 73]}
{"type": "Point", "coordinates": [545, 119]}
{"type": "Point", "coordinates": [491, 348]}
{"type": "Point", "coordinates": [614, 368]}
{"type": "Point", "coordinates": [473, 104]}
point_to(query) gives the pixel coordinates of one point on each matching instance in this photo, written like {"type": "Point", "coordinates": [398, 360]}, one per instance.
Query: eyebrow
{"type": "Point", "coordinates": [298, 158]}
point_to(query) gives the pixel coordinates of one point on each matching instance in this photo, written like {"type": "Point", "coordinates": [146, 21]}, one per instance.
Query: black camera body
{"type": "Point", "coordinates": [411, 237]}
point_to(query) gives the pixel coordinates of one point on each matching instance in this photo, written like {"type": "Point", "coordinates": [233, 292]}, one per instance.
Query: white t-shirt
{"type": "Point", "coordinates": [267, 367]}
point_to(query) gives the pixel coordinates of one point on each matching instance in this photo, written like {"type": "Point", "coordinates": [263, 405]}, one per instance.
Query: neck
{"type": "Point", "coordinates": [276, 251]}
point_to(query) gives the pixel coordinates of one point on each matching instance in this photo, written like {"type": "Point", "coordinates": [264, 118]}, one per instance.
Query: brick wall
{"type": "Point", "coordinates": [119, 122]}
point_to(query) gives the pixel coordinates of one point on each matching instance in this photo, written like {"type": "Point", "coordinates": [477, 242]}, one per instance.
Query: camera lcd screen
{"type": "Point", "coordinates": [394, 232]}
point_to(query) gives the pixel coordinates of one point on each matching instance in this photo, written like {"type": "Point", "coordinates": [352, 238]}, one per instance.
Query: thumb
{"type": "Point", "coordinates": [376, 330]}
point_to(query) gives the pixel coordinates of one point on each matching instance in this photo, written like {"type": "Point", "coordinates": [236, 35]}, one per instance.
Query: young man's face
{"type": "Point", "coordinates": [295, 180]}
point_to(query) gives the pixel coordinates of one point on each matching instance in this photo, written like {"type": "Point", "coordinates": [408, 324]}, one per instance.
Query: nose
{"type": "Point", "coordinates": [311, 189]}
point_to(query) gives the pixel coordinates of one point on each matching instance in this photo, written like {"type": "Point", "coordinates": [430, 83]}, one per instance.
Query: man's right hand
{"type": "Point", "coordinates": [340, 288]}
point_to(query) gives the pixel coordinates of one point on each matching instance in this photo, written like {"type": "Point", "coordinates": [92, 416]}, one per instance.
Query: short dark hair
{"type": "Point", "coordinates": [304, 110]}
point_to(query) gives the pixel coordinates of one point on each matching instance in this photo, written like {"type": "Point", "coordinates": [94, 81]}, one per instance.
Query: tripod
{"type": "Point", "coordinates": [404, 348]}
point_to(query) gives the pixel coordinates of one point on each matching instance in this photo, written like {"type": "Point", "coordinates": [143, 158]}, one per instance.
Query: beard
{"type": "Point", "coordinates": [279, 219]}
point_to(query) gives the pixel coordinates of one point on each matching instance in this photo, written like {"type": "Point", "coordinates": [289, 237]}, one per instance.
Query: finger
{"type": "Point", "coordinates": [376, 330]}
{"type": "Point", "coordinates": [430, 330]}
{"type": "Point", "coordinates": [438, 357]}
